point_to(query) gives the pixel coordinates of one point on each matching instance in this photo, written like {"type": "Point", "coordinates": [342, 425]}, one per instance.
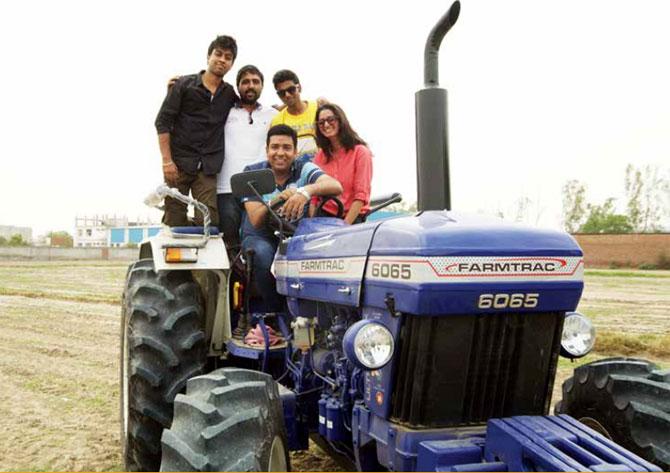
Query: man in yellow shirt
{"type": "Point", "coordinates": [299, 114]}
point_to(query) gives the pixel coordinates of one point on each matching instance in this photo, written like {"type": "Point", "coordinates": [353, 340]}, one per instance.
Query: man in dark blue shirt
{"type": "Point", "coordinates": [297, 180]}
{"type": "Point", "coordinates": [190, 128]}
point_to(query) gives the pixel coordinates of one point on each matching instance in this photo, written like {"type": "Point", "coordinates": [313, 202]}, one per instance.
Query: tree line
{"type": "Point", "coordinates": [60, 239]}
{"type": "Point", "coordinates": [647, 194]}
{"type": "Point", "coordinates": [14, 240]}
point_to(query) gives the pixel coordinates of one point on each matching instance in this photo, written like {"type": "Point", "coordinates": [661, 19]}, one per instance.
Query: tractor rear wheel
{"type": "Point", "coordinates": [625, 399]}
{"type": "Point", "coordinates": [229, 420]}
{"type": "Point", "coordinates": [162, 346]}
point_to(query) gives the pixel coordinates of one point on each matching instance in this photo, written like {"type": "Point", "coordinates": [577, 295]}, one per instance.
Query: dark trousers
{"type": "Point", "coordinates": [230, 217]}
{"type": "Point", "coordinates": [264, 254]}
{"type": "Point", "coordinates": [203, 188]}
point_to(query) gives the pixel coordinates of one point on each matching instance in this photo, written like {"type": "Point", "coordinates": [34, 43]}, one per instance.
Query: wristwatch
{"type": "Point", "coordinates": [303, 191]}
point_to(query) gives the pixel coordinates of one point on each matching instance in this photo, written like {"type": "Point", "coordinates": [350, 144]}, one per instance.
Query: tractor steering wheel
{"type": "Point", "coordinates": [338, 202]}
{"type": "Point", "coordinates": [287, 226]}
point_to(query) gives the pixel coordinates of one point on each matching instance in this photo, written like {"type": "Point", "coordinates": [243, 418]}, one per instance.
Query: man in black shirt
{"type": "Point", "coordinates": [190, 132]}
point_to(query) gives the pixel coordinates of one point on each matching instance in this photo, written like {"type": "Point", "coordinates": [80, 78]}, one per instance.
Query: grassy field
{"type": "Point", "coordinates": [59, 326]}
{"type": "Point", "coordinates": [631, 311]}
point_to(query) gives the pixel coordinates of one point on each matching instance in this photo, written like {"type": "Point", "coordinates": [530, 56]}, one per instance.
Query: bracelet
{"type": "Point", "coordinates": [302, 191]}
{"type": "Point", "coordinates": [171, 163]}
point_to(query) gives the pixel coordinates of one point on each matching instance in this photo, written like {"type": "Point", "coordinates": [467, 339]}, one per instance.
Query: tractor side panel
{"type": "Point", "coordinates": [324, 261]}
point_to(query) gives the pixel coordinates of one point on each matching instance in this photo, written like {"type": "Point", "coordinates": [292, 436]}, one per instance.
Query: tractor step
{"type": "Point", "coordinates": [254, 352]}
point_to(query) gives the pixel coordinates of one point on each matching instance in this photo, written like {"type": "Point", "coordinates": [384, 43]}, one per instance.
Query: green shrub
{"type": "Point", "coordinates": [647, 266]}
{"type": "Point", "coordinates": [17, 240]}
{"type": "Point", "coordinates": [663, 262]}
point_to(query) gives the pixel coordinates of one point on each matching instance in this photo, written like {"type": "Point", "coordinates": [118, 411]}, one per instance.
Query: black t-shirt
{"type": "Point", "coordinates": [195, 120]}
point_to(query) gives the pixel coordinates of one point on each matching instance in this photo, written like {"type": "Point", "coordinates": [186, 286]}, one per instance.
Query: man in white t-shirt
{"type": "Point", "coordinates": [245, 133]}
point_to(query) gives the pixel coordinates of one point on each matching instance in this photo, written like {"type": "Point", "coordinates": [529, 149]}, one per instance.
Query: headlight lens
{"type": "Point", "coordinates": [373, 345]}
{"type": "Point", "coordinates": [578, 337]}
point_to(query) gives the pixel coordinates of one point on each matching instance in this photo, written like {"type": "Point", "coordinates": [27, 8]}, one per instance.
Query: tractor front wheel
{"type": "Point", "coordinates": [625, 399]}
{"type": "Point", "coordinates": [229, 420]}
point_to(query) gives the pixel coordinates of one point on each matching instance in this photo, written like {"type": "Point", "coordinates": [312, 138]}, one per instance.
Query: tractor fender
{"type": "Point", "coordinates": [212, 256]}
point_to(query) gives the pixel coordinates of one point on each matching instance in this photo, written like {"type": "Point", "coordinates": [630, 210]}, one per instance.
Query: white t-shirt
{"type": "Point", "coordinates": [245, 142]}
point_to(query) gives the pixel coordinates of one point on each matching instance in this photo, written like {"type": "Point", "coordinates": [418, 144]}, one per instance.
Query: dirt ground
{"type": "Point", "coordinates": [59, 345]}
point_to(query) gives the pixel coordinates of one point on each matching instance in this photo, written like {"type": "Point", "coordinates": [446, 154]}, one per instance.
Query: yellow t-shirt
{"type": "Point", "coordinates": [303, 125]}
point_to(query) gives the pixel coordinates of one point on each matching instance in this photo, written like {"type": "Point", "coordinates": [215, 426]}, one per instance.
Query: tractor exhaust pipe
{"type": "Point", "coordinates": [432, 138]}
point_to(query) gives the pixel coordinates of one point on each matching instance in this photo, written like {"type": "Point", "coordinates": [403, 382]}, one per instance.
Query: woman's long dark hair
{"type": "Point", "coordinates": [347, 136]}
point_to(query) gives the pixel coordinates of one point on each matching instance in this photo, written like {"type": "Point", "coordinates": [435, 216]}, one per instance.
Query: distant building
{"type": "Point", "coordinates": [105, 230]}
{"type": "Point", "coordinates": [8, 231]}
{"type": "Point", "coordinates": [42, 240]}
{"type": "Point", "coordinates": [131, 234]}
{"type": "Point", "coordinates": [92, 231]}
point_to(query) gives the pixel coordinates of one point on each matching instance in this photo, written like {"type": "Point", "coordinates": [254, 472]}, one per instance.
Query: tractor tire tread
{"type": "Point", "coordinates": [161, 349]}
{"type": "Point", "coordinates": [627, 389]}
{"type": "Point", "coordinates": [180, 383]}
{"type": "Point", "coordinates": [206, 382]}
{"type": "Point", "coordinates": [159, 361]}
{"type": "Point", "coordinates": [626, 396]}
{"type": "Point", "coordinates": [226, 421]}
{"type": "Point", "coordinates": [150, 410]}
{"type": "Point", "coordinates": [178, 316]}
{"type": "Point", "coordinates": [149, 288]}
{"type": "Point", "coordinates": [143, 435]}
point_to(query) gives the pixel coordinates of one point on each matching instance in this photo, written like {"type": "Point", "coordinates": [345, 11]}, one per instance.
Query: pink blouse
{"type": "Point", "coordinates": [354, 171]}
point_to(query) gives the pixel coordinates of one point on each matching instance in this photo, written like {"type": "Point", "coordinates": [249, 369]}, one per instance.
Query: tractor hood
{"type": "Point", "coordinates": [433, 263]}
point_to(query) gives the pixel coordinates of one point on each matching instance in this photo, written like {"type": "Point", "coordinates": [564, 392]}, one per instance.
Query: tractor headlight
{"type": "Point", "coordinates": [578, 337]}
{"type": "Point", "coordinates": [368, 344]}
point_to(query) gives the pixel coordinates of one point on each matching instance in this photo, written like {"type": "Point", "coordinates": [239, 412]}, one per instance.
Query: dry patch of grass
{"type": "Point", "coordinates": [627, 273]}
{"type": "Point", "coordinates": [59, 365]}
{"type": "Point", "coordinates": [78, 281]}
{"type": "Point", "coordinates": [647, 345]}
{"type": "Point", "coordinates": [631, 305]}
{"type": "Point", "coordinates": [60, 296]}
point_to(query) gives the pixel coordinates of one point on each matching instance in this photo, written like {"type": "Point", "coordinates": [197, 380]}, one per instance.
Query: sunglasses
{"type": "Point", "coordinates": [330, 120]}
{"type": "Point", "coordinates": [289, 90]}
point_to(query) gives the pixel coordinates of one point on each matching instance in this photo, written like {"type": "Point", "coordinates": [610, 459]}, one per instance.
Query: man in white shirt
{"type": "Point", "coordinates": [245, 133]}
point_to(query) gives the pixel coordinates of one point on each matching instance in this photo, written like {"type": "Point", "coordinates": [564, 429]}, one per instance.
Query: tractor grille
{"type": "Point", "coordinates": [464, 369]}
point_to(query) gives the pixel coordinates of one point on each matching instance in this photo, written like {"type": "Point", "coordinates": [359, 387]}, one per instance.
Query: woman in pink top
{"type": "Point", "coordinates": [345, 156]}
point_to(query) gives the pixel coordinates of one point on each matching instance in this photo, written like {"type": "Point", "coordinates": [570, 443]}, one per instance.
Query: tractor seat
{"type": "Point", "coordinates": [194, 230]}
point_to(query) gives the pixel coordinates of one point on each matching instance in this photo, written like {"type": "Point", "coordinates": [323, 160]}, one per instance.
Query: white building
{"type": "Point", "coordinates": [102, 231]}
{"type": "Point", "coordinates": [92, 231]}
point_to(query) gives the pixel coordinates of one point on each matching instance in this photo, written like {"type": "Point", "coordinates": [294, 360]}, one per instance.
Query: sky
{"type": "Point", "coordinates": [540, 92]}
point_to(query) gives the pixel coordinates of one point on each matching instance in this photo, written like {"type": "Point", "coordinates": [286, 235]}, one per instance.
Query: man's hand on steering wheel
{"type": "Point", "coordinates": [294, 205]}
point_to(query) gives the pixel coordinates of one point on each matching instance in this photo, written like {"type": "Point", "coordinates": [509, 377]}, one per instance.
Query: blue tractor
{"type": "Point", "coordinates": [425, 342]}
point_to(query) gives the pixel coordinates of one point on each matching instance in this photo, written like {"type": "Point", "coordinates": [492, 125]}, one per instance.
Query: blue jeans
{"type": "Point", "coordinates": [264, 253]}
{"type": "Point", "coordinates": [230, 218]}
